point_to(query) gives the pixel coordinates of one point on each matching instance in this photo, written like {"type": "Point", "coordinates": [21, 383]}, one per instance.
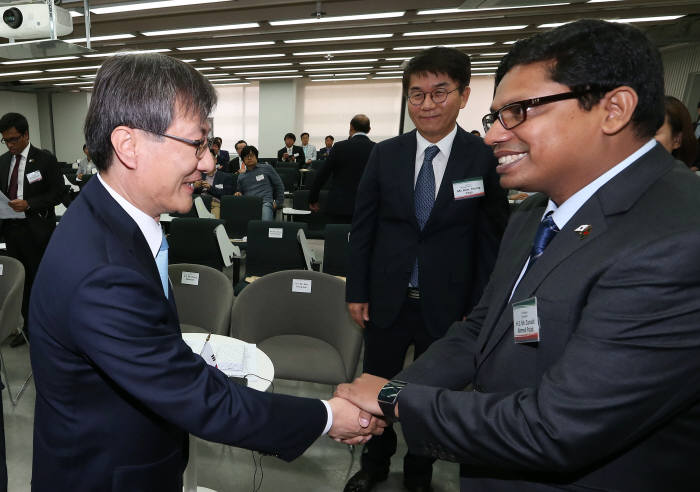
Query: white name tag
{"type": "Point", "coordinates": [296, 155]}
{"type": "Point", "coordinates": [190, 278]}
{"type": "Point", "coordinates": [94, 170]}
{"type": "Point", "coordinates": [468, 188]}
{"type": "Point", "coordinates": [301, 285]}
{"type": "Point", "coordinates": [274, 232]}
{"type": "Point", "coordinates": [526, 324]}
{"type": "Point", "coordinates": [259, 177]}
{"type": "Point", "coordinates": [219, 186]}
{"type": "Point", "coordinates": [33, 177]}
{"type": "Point", "coordinates": [1, 267]}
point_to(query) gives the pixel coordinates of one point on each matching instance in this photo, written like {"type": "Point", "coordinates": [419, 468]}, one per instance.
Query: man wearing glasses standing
{"type": "Point", "coordinates": [427, 224]}
{"type": "Point", "coordinates": [583, 352]}
{"type": "Point", "coordinates": [31, 180]}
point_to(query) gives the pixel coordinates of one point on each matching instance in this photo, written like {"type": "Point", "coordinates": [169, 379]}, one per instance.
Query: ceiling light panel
{"type": "Point", "coordinates": [338, 80]}
{"type": "Point", "coordinates": [456, 11]}
{"type": "Point", "coordinates": [228, 45]}
{"type": "Point", "coordinates": [41, 79]}
{"type": "Point", "coordinates": [24, 72]}
{"type": "Point", "coordinates": [126, 52]}
{"type": "Point", "coordinates": [341, 18]}
{"type": "Point", "coordinates": [188, 30]}
{"type": "Point", "coordinates": [73, 69]}
{"type": "Point", "coordinates": [40, 60]}
{"type": "Point", "coordinates": [133, 7]}
{"type": "Point", "coordinates": [338, 38]}
{"type": "Point", "coordinates": [275, 77]}
{"type": "Point", "coordinates": [244, 57]}
{"type": "Point", "coordinates": [467, 30]}
{"type": "Point", "coordinates": [336, 69]}
{"type": "Point", "coordinates": [265, 72]}
{"type": "Point", "coordinates": [256, 65]}
{"type": "Point", "coordinates": [331, 62]}
{"type": "Point", "coordinates": [337, 52]}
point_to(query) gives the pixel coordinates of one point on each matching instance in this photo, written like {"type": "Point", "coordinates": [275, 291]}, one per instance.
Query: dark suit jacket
{"type": "Point", "coordinates": [323, 153]}
{"type": "Point", "coordinates": [234, 165]}
{"type": "Point", "coordinates": [224, 184]}
{"type": "Point", "coordinates": [609, 399]}
{"type": "Point", "coordinates": [223, 158]}
{"type": "Point", "coordinates": [456, 249]}
{"type": "Point", "coordinates": [41, 195]}
{"type": "Point", "coordinates": [117, 388]}
{"type": "Point", "coordinates": [346, 163]}
{"type": "Point", "coordinates": [300, 159]}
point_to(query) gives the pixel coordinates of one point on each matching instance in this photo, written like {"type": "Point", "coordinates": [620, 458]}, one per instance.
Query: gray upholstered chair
{"type": "Point", "coordinates": [309, 336]}
{"type": "Point", "coordinates": [11, 321]}
{"type": "Point", "coordinates": [206, 306]}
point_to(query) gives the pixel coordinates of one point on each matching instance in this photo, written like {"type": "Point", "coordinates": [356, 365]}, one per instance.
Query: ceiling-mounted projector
{"type": "Point", "coordinates": [31, 21]}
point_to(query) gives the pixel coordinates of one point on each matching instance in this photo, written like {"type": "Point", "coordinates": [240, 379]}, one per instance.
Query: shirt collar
{"type": "Point", "coordinates": [356, 134]}
{"type": "Point", "coordinates": [25, 152]}
{"type": "Point", "coordinates": [150, 228]}
{"type": "Point", "coordinates": [445, 144]}
{"type": "Point", "coordinates": [566, 210]}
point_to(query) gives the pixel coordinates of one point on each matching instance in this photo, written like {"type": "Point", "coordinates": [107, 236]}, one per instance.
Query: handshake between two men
{"type": "Point", "coordinates": [356, 412]}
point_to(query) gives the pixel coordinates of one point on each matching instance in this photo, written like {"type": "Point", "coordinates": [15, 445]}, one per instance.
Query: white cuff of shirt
{"type": "Point", "coordinates": [329, 423]}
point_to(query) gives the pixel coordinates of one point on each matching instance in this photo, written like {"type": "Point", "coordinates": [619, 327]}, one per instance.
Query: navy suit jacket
{"type": "Point", "coordinates": [456, 249]}
{"type": "Point", "coordinates": [609, 399]}
{"type": "Point", "coordinates": [224, 184]}
{"type": "Point", "coordinates": [117, 388]}
{"type": "Point", "coordinates": [223, 158]}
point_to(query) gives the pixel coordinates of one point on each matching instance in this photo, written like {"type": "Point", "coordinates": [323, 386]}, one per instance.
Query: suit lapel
{"type": "Point", "coordinates": [5, 172]}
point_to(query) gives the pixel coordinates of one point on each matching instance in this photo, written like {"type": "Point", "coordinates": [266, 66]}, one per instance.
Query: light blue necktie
{"type": "Point", "coordinates": [424, 197]}
{"type": "Point", "coordinates": [162, 264]}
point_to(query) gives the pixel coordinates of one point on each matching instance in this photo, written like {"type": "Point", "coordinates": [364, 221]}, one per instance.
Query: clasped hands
{"type": "Point", "coordinates": [356, 413]}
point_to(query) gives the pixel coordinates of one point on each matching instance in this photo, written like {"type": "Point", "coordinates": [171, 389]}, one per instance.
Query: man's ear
{"type": "Point", "coordinates": [618, 106]}
{"type": "Point", "coordinates": [124, 144]}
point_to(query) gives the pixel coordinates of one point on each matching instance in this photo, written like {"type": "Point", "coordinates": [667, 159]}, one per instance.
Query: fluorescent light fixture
{"type": "Point", "coordinates": [390, 77]}
{"type": "Point", "coordinates": [73, 13]}
{"type": "Point", "coordinates": [339, 18]}
{"type": "Point", "coordinates": [186, 60]}
{"type": "Point", "coordinates": [204, 69]}
{"type": "Point", "coordinates": [389, 66]}
{"type": "Point", "coordinates": [510, 42]}
{"type": "Point", "coordinates": [41, 79]}
{"type": "Point", "coordinates": [483, 74]}
{"type": "Point", "coordinates": [494, 54]}
{"type": "Point", "coordinates": [275, 77]}
{"type": "Point", "coordinates": [337, 80]}
{"type": "Point", "coordinates": [400, 58]}
{"type": "Point", "coordinates": [71, 83]}
{"type": "Point", "coordinates": [244, 57]}
{"type": "Point", "coordinates": [602, 1]}
{"type": "Point", "coordinates": [210, 75]}
{"type": "Point", "coordinates": [225, 79]}
{"type": "Point", "coordinates": [109, 37]}
{"type": "Point", "coordinates": [229, 45]}
{"type": "Point", "coordinates": [92, 76]}
{"type": "Point", "coordinates": [126, 52]}
{"type": "Point", "coordinates": [73, 69]}
{"type": "Point", "coordinates": [625, 21]}
{"type": "Point", "coordinates": [232, 83]}
{"type": "Point", "coordinates": [337, 74]}
{"type": "Point", "coordinates": [332, 62]}
{"type": "Point", "coordinates": [150, 5]}
{"type": "Point", "coordinates": [484, 68]}
{"type": "Point", "coordinates": [484, 62]}
{"type": "Point", "coordinates": [336, 69]}
{"type": "Point", "coordinates": [455, 45]}
{"type": "Point", "coordinates": [470, 29]}
{"type": "Point", "coordinates": [40, 60]}
{"type": "Point", "coordinates": [262, 72]}
{"type": "Point", "coordinates": [256, 65]}
{"type": "Point", "coordinates": [336, 52]}
{"type": "Point", "coordinates": [229, 27]}
{"type": "Point", "coordinates": [337, 38]}
{"type": "Point", "coordinates": [454, 11]}
{"type": "Point", "coordinates": [25, 72]}
{"type": "Point", "coordinates": [390, 73]}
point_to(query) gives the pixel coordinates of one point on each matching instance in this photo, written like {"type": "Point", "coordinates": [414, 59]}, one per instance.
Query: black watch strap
{"type": "Point", "coordinates": [388, 397]}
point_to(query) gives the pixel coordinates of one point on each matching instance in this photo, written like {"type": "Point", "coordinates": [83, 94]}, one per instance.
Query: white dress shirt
{"type": "Point", "coordinates": [20, 172]}
{"type": "Point", "coordinates": [439, 161]}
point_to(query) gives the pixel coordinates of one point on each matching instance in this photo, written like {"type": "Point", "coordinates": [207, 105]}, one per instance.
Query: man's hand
{"type": "Point", "coordinates": [18, 205]}
{"type": "Point", "coordinates": [363, 392]}
{"type": "Point", "coordinates": [350, 425]}
{"type": "Point", "coordinates": [314, 207]}
{"type": "Point", "coordinates": [238, 193]}
{"type": "Point", "coordinates": [359, 311]}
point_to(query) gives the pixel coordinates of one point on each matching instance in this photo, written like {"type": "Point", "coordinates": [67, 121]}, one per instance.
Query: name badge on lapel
{"type": "Point", "coordinates": [526, 324]}
{"type": "Point", "coordinates": [259, 177]}
{"type": "Point", "coordinates": [468, 188]}
{"type": "Point", "coordinates": [33, 177]}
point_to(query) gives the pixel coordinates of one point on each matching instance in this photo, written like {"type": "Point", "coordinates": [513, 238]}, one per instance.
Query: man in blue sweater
{"type": "Point", "coordinates": [260, 179]}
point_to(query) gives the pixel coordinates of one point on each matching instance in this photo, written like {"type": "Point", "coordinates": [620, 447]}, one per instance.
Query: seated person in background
{"type": "Point", "coordinates": [290, 152]}
{"type": "Point", "coordinates": [217, 183]}
{"type": "Point", "coordinates": [309, 149]}
{"type": "Point", "coordinates": [323, 153]}
{"type": "Point", "coordinates": [676, 134]}
{"type": "Point", "coordinates": [236, 165]}
{"type": "Point", "coordinates": [85, 166]}
{"type": "Point", "coordinates": [221, 157]}
{"type": "Point", "coordinates": [260, 179]}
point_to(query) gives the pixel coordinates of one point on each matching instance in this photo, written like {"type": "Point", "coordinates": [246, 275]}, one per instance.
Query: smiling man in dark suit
{"type": "Point", "coordinates": [583, 353]}
{"type": "Point", "coordinates": [427, 223]}
{"type": "Point", "coordinates": [31, 179]}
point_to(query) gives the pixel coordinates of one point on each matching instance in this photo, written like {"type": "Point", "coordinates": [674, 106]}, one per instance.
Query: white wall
{"type": "Point", "coordinates": [278, 115]}
{"type": "Point", "coordinates": [24, 103]}
{"type": "Point", "coordinates": [478, 104]}
{"type": "Point", "coordinates": [236, 115]}
{"type": "Point", "coordinates": [69, 111]}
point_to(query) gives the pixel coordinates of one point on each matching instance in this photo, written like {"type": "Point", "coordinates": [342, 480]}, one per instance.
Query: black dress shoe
{"type": "Point", "coordinates": [363, 481]}
{"type": "Point", "coordinates": [17, 340]}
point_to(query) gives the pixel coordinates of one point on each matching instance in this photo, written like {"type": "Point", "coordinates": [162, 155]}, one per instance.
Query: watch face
{"type": "Point", "coordinates": [390, 391]}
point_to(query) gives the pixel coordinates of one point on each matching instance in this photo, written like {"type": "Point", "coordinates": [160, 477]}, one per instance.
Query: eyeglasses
{"type": "Point", "coordinates": [201, 145]}
{"type": "Point", "coordinates": [513, 114]}
{"type": "Point", "coordinates": [437, 96]}
{"type": "Point", "coordinates": [12, 140]}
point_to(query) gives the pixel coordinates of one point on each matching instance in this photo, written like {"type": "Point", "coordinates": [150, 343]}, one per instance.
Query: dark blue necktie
{"type": "Point", "coordinates": [424, 197]}
{"type": "Point", "coordinates": [545, 232]}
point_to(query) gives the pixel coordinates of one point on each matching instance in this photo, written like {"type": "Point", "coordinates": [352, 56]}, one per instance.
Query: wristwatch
{"type": "Point", "coordinates": [388, 397]}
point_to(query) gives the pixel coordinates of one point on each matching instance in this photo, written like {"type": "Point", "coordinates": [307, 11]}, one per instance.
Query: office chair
{"type": "Point", "coordinates": [237, 211]}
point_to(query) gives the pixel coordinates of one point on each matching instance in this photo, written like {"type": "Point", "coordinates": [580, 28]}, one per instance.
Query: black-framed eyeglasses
{"type": "Point", "coordinates": [515, 113]}
{"type": "Point", "coordinates": [438, 96]}
{"type": "Point", "coordinates": [12, 140]}
{"type": "Point", "coordinates": [201, 145]}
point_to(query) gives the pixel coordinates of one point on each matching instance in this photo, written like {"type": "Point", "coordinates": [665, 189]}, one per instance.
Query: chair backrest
{"type": "Point", "coordinates": [336, 249]}
{"type": "Point", "coordinates": [308, 178]}
{"type": "Point", "coordinates": [270, 160]}
{"type": "Point", "coordinates": [203, 212]}
{"type": "Point", "coordinates": [193, 240]}
{"type": "Point", "coordinates": [289, 177]}
{"type": "Point", "coordinates": [316, 164]}
{"type": "Point", "coordinates": [316, 220]}
{"type": "Point", "coordinates": [286, 165]}
{"type": "Point", "coordinates": [203, 296]}
{"type": "Point", "coordinates": [307, 333]}
{"type": "Point", "coordinates": [273, 246]}
{"type": "Point", "coordinates": [11, 292]}
{"type": "Point", "coordinates": [237, 211]}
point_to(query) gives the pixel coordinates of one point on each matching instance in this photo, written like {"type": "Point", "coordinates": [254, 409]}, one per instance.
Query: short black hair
{"type": "Point", "coordinates": [360, 123]}
{"type": "Point", "coordinates": [302, 135]}
{"type": "Point", "coordinates": [329, 136]}
{"type": "Point", "coordinates": [594, 57]}
{"type": "Point", "coordinates": [249, 149]}
{"type": "Point", "coordinates": [439, 59]}
{"type": "Point", "coordinates": [142, 91]}
{"type": "Point", "coordinates": [217, 141]}
{"type": "Point", "coordinates": [16, 120]}
{"type": "Point", "coordinates": [240, 142]}
{"type": "Point", "coordinates": [290, 135]}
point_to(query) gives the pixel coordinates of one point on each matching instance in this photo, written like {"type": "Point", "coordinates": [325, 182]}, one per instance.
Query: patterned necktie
{"type": "Point", "coordinates": [162, 264]}
{"type": "Point", "coordinates": [12, 188]}
{"type": "Point", "coordinates": [545, 232]}
{"type": "Point", "coordinates": [424, 197]}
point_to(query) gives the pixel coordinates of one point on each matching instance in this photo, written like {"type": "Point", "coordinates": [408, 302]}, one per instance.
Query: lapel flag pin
{"type": "Point", "coordinates": [583, 230]}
